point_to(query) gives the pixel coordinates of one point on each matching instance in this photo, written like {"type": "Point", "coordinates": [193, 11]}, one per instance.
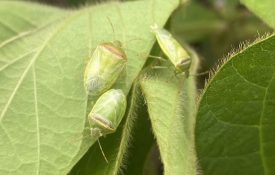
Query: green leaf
{"type": "Point", "coordinates": [171, 106]}
{"type": "Point", "coordinates": [264, 9]}
{"type": "Point", "coordinates": [235, 123]}
{"type": "Point", "coordinates": [13, 24]}
{"type": "Point", "coordinates": [43, 105]}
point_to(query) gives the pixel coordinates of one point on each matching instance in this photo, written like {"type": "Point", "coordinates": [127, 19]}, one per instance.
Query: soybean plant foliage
{"type": "Point", "coordinates": [220, 123]}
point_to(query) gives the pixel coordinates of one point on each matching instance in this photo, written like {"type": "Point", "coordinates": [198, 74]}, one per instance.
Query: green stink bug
{"type": "Point", "coordinates": [107, 113]}
{"type": "Point", "coordinates": [106, 64]}
{"type": "Point", "coordinates": [172, 49]}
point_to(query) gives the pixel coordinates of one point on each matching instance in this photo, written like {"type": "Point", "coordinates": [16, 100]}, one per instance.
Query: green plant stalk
{"type": "Point", "coordinates": [172, 109]}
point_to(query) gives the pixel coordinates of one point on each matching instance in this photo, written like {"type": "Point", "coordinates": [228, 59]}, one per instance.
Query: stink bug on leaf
{"type": "Point", "coordinates": [107, 113]}
{"type": "Point", "coordinates": [172, 49]}
{"type": "Point", "coordinates": [106, 64]}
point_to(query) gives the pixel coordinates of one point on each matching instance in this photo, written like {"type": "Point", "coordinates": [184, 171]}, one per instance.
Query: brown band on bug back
{"type": "Point", "coordinates": [102, 122]}
{"type": "Point", "coordinates": [115, 50]}
{"type": "Point", "coordinates": [183, 65]}
{"type": "Point", "coordinates": [185, 61]}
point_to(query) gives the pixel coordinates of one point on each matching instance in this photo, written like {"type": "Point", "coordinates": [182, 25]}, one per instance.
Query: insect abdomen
{"type": "Point", "coordinates": [107, 112]}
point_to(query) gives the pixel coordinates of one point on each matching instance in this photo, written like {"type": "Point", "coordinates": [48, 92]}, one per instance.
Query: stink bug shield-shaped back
{"type": "Point", "coordinates": [172, 49]}
{"type": "Point", "coordinates": [106, 64]}
{"type": "Point", "coordinates": [107, 113]}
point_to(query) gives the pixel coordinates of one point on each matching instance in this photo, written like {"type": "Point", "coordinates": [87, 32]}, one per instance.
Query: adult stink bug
{"type": "Point", "coordinates": [172, 49]}
{"type": "Point", "coordinates": [106, 64]}
{"type": "Point", "coordinates": [107, 113]}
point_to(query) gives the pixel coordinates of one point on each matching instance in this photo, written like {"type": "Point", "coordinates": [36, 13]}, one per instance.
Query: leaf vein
{"type": "Point", "coordinates": [17, 59]}
{"type": "Point", "coordinates": [37, 120]}
{"type": "Point", "coordinates": [265, 167]}
{"type": "Point", "coordinates": [245, 79]}
{"type": "Point", "coordinates": [27, 33]}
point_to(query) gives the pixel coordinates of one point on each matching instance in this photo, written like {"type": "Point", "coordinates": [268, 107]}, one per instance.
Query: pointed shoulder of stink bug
{"type": "Point", "coordinates": [117, 51]}
{"type": "Point", "coordinates": [154, 27]}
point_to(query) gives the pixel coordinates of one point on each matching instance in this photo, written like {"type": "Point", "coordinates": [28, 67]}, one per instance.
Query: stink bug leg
{"type": "Point", "coordinates": [101, 149]}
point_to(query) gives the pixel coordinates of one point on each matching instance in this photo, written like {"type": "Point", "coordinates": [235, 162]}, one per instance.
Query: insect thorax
{"type": "Point", "coordinates": [115, 49]}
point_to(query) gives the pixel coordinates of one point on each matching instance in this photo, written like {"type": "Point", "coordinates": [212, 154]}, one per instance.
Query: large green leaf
{"type": "Point", "coordinates": [171, 106]}
{"type": "Point", "coordinates": [264, 9]}
{"type": "Point", "coordinates": [43, 105]}
{"type": "Point", "coordinates": [235, 128]}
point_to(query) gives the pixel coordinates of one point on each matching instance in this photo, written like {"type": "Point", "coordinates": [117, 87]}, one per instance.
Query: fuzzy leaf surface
{"type": "Point", "coordinates": [171, 107]}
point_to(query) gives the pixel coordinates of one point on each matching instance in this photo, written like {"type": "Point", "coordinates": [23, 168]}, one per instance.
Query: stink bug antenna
{"type": "Point", "coordinates": [115, 37]}
{"type": "Point", "coordinates": [201, 73]}
{"type": "Point", "coordinates": [102, 150]}
{"type": "Point", "coordinates": [113, 28]}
